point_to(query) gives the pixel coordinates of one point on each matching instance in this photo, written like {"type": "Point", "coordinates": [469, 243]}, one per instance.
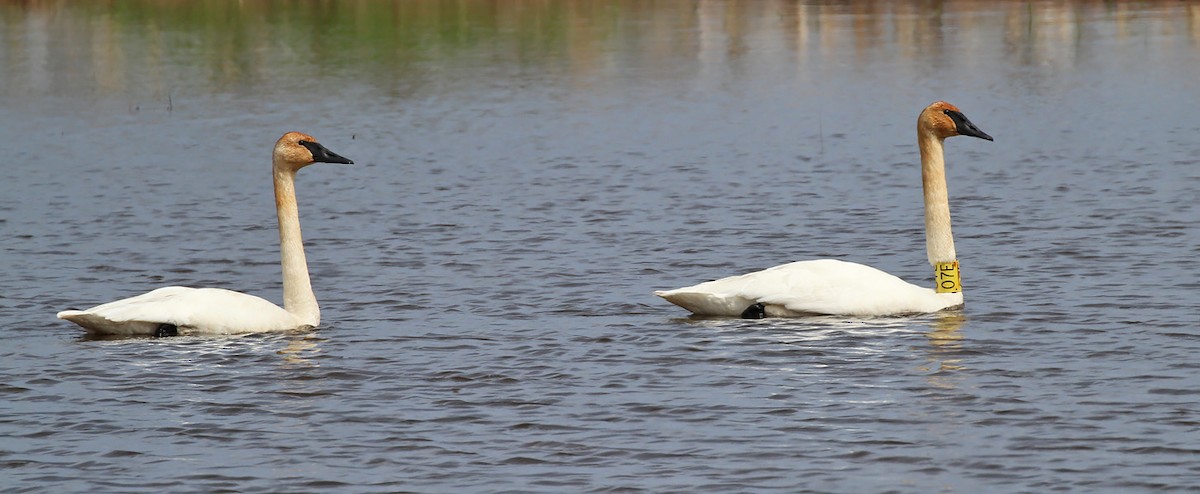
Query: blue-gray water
{"type": "Point", "coordinates": [527, 173]}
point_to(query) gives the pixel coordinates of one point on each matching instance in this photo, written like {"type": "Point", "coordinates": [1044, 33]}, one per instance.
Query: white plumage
{"type": "Point", "coordinates": [833, 287]}
{"type": "Point", "coordinates": [191, 310]}
{"type": "Point", "coordinates": [822, 286]}
{"type": "Point", "coordinates": [177, 310]}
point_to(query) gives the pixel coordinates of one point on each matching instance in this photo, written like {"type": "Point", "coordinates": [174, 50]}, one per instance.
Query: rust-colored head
{"type": "Point", "coordinates": [296, 150]}
{"type": "Point", "coordinates": [944, 120]}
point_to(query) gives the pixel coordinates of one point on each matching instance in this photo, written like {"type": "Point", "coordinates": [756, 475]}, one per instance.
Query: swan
{"type": "Point", "coordinates": [177, 310]}
{"type": "Point", "coordinates": [835, 287]}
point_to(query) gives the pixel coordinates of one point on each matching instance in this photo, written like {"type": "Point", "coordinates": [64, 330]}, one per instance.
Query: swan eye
{"type": "Point", "coordinates": [302, 142]}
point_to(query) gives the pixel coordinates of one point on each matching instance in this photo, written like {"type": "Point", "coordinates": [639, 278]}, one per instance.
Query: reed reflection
{"type": "Point", "coordinates": [159, 46]}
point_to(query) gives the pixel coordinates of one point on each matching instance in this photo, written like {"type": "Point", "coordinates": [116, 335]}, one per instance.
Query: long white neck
{"type": "Point", "coordinates": [939, 242]}
{"type": "Point", "coordinates": [298, 297]}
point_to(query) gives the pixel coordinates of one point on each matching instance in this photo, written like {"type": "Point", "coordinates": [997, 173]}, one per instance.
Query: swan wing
{"type": "Point", "coordinates": [825, 286]}
{"type": "Point", "coordinates": [191, 310]}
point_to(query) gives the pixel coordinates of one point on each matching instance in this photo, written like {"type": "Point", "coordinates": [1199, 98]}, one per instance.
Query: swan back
{"type": "Point", "coordinates": [822, 286]}
{"type": "Point", "coordinates": [191, 310]}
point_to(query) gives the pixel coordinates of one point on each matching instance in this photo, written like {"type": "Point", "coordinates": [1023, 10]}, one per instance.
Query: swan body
{"type": "Point", "coordinates": [177, 310]}
{"type": "Point", "coordinates": [835, 287]}
{"type": "Point", "coordinates": [190, 310]}
{"type": "Point", "coordinates": [817, 287]}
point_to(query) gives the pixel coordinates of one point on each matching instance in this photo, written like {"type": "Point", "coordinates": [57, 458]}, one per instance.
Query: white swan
{"type": "Point", "coordinates": [177, 310]}
{"type": "Point", "coordinates": [834, 287]}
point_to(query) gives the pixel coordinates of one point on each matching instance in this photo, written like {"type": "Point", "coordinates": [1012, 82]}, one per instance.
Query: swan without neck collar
{"type": "Point", "coordinates": [834, 287]}
{"type": "Point", "coordinates": [177, 310]}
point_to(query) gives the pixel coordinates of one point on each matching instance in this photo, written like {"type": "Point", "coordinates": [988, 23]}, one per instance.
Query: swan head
{"type": "Point", "coordinates": [296, 150]}
{"type": "Point", "coordinates": [944, 120]}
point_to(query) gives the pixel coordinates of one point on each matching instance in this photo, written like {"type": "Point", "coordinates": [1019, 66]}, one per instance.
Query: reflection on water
{"type": "Point", "coordinates": [301, 349]}
{"type": "Point", "coordinates": [149, 50]}
{"type": "Point", "coordinates": [944, 354]}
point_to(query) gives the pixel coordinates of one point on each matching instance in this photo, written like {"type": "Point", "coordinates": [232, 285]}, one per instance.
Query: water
{"type": "Point", "coordinates": [526, 174]}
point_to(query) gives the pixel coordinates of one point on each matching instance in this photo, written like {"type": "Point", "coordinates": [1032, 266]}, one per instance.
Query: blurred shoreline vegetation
{"type": "Point", "coordinates": [238, 45]}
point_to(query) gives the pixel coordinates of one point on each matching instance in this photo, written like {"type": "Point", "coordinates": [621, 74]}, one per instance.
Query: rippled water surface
{"type": "Point", "coordinates": [528, 173]}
